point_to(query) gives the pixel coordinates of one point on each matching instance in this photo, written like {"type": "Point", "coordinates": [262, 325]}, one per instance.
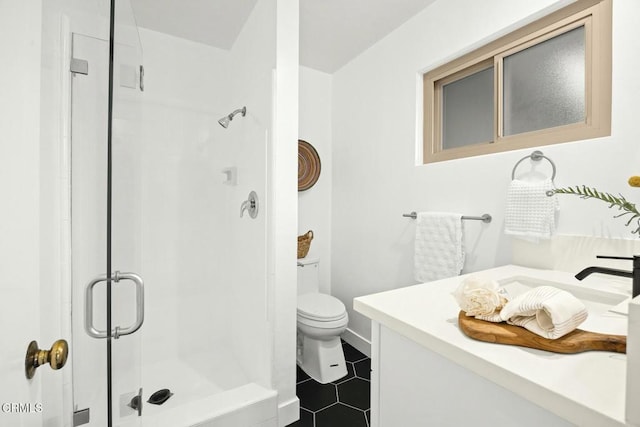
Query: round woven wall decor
{"type": "Point", "coordinates": [308, 165]}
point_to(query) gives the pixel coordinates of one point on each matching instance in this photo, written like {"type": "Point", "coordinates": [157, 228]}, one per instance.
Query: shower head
{"type": "Point", "coordinates": [224, 122]}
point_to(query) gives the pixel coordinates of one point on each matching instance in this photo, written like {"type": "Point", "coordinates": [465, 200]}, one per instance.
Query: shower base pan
{"type": "Point", "coordinates": [208, 390]}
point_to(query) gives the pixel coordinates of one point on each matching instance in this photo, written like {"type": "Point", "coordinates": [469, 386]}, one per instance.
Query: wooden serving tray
{"type": "Point", "coordinates": [574, 342]}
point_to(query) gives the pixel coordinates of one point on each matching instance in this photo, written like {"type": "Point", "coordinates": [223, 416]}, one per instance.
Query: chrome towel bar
{"type": "Point", "coordinates": [486, 218]}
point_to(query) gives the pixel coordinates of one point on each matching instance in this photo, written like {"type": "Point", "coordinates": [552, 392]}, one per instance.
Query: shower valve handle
{"type": "Point", "coordinates": [250, 205]}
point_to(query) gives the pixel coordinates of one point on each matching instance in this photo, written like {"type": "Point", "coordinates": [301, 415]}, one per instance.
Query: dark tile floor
{"type": "Point", "coordinates": [342, 403]}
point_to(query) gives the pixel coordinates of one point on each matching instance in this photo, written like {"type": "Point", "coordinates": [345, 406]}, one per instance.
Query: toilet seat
{"type": "Point", "coordinates": [318, 307]}
{"type": "Point", "coordinates": [325, 328]}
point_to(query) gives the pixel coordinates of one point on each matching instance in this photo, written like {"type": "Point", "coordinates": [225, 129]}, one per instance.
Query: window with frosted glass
{"type": "Point", "coordinates": [467, 106]}
{"type": "Point", "coordinates": [544, 85]}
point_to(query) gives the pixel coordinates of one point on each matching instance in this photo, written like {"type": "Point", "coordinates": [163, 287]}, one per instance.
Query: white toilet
{"type": "Point", "coordinates": [321, 320]}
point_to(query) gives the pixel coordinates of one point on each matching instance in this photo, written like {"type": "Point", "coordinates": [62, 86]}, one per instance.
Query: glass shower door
{"type": "Point", "coordinates": [108, 288]}
{"type": "Point", "coordinates": [125, 228]}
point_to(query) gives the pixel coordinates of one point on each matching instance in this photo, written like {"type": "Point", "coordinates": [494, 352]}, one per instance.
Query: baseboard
{"type": "Point", "coordinates": [288, 412]}
{"type": "Point", "coordinates": [358, 341]}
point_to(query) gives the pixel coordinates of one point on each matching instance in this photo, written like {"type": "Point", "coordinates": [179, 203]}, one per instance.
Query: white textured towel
{"type": "Point", "coordinates": [439, 250]}
{"type": "Point", "coordinates": [530, 212]}
{"type": "Point", "coordinates": [546, 311]}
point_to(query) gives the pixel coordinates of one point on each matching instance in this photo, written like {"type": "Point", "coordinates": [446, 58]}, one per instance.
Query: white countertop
{"type": "Point", "coordinates": [587, 389]}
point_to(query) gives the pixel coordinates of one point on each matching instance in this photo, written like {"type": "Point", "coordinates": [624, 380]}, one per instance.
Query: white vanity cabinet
{"type": "Point", "coordinates": [414, 386]}
{"type": "Point", "coordinates": [426, 372]}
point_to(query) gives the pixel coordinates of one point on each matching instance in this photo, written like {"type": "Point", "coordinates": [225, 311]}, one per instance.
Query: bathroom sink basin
{"type": "Point", "coordinates": [607, 310]}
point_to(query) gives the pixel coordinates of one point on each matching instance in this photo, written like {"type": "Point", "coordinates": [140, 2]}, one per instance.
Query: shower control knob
{"type": "Point", "coordinates": [250, 205]}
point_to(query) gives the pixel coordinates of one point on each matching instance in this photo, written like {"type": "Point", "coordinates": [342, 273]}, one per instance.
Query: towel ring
{"type": "Point", "coordinates": [535, 156]}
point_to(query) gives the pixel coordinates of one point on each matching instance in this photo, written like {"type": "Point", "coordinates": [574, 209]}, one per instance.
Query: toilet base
{"type": "Point", "coordinates": [322, 360]}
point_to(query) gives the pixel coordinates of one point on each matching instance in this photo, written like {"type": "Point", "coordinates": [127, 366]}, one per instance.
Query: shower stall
{"type": "Point", "coordinates": [178, 305]}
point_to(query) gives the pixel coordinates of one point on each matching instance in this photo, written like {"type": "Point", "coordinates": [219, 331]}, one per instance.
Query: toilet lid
{"type": "Point", "coordinates": [322, 307]}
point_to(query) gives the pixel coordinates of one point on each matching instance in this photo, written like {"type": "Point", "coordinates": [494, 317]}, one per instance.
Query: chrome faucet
{"type": "Point", "coordinates": [634, 274]}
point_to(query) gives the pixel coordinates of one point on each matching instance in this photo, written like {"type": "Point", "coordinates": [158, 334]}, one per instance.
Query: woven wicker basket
{"type": "Point", "coordinates": [304, 242]}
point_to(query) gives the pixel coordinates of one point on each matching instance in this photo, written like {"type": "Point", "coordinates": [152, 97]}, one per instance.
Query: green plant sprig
{"type": "Point", "coordinates": [620, 202]}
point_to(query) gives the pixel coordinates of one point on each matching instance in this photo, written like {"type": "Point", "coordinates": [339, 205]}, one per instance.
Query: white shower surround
{"type": "Point", "coordinates": [206, 264]}
{"type": "Point", "coordinates": [198, 251]}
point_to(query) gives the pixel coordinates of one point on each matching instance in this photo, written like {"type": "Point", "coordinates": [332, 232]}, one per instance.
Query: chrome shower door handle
{"type": "Point", "coordinates": [91, 330]}
{"type": "Point", "coordinates": [118, 331]}
{"type": "Point", "coordinates": [139, 284]}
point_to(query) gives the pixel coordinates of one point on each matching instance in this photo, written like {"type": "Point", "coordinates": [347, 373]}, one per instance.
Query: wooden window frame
{"type": "Point", "coordinates": [595, 15]}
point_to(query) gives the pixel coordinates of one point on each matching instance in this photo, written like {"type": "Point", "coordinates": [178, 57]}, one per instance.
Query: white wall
{"type": "Point", "coordinates": [314, 204]}
{"type": "Point", "coordinates": [375, 179]}
{"type": "Point", "coordinates": [20, 283]}
{"type": "Point", "coordinates": [283, 212]}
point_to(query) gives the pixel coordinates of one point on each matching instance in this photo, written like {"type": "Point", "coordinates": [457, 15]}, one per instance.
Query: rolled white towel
{"type": "Point", "coordinates": [546, 311]}
{"type": "Point", "coordinates": [481, 298]}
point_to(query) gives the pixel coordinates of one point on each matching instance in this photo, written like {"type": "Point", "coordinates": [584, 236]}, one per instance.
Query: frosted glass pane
{"type": "Point", "coordinates": [467, 110]}
{"type": "Point", "coordinates": [544, 85]}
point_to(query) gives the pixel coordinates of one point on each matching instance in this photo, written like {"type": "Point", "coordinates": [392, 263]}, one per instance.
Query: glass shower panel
{"type": "Point", "coordinates": [544, 85]}
{"type": "Point", "coordinates": [89, 112]}
{"type": "Point", "coordinates": [467, 110]}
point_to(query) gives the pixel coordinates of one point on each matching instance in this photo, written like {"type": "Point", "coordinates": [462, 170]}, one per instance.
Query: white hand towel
{"type": "Point", "coordinates": [546, 311]}
{"type": "Point", "coordinates": [530, 213]}
{"type": "Point", "coordinates": [439, 250]}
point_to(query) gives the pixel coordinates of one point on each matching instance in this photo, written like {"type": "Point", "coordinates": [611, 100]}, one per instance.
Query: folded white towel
{"type": "Point", "coordinates": [439, 250]}
{"type": "Point", "coordinates": [546, 311]}
{"type": "Point", "coordinates": [530, 213]}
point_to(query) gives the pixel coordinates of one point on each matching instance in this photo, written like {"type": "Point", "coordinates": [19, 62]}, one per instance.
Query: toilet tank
{"type": "Point", "coordinates": [308, 275]}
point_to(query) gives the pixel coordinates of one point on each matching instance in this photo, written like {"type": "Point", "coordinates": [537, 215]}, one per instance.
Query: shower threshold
{"type": "Point", "coordinates": [248, 405]}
